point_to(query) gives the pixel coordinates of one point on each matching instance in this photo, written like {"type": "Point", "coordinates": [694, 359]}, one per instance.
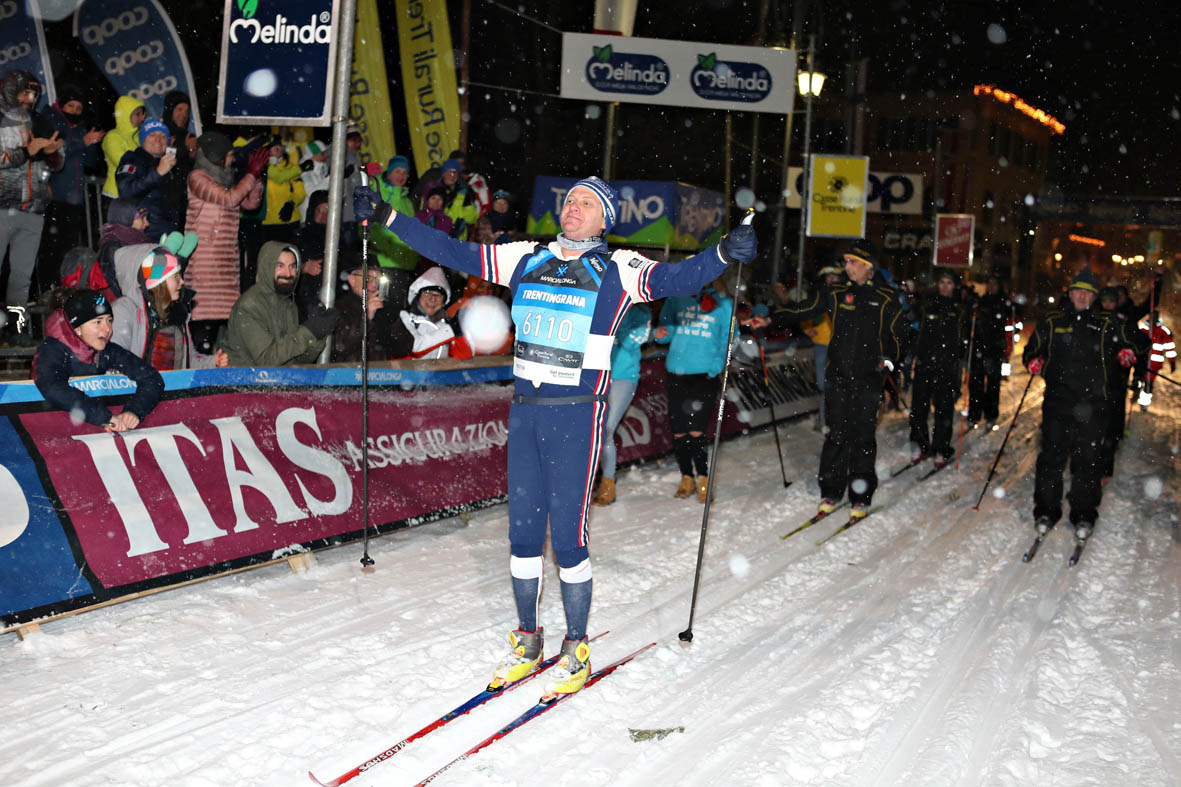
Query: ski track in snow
{"type": "Point", "coordinates": [914, 649]}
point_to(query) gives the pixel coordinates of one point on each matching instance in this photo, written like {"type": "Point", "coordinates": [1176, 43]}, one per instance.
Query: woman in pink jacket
{"type": "Point", "coordinates": [214, 204]}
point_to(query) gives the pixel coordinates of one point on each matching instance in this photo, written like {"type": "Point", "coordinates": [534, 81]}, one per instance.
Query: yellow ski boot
{"type": "Point", "coordinates": [521, 661]}
{"type": "Point", "coordinates": [570, 673]}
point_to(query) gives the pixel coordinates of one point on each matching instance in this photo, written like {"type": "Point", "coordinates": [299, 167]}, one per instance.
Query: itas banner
{"type": "Point", "coordinates": [22, 45]}
{"type": "Point", "coordinates": [889, 192]}
{"type": "Point", "coordinates": [677, 73]}
{"type": "Point", "coordinates": [953, 239]}
{"type": "Point", "coordinates": [836, 196]}
{"type": "Point", "coordinates": [650, 213]}
{"type": "Point", "coordinates": [428, 80]}
{"type": "Point", "coordinates": [136, 47]}
{"type": "Point", "coordinates": [278, 59]}
{"type": "Point", "coordinates": [369, 90]}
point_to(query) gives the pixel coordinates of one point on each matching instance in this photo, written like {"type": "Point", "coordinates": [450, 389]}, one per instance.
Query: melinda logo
{"type": "Point", "coordinates": [729, 80]}
{"type": "Point", "coordinates": [318, 30]}
{"type": "Point", "coordinates": [626, 72]}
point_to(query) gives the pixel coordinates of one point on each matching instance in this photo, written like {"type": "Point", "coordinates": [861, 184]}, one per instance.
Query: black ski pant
{"type": "Point", "coordinates": [1075, 431]}
{"type": "Point", "coordinates": [984, 388]}
{"type": "Point", "coordinates": [850, 448]}
{"type": "Point", "coordinates": [938, 384]}
{"type": "Point", "coordinates": [1117, 405]}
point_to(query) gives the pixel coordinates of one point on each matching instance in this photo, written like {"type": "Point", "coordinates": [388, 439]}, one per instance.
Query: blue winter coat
{"type": "Point", "coordinates": [697, 338]}
{"type": "Point", "coordinates": [60, 357]}
{"type": "Point", "coordinates": [69, 184]}
{"type": "Point", "coordinates": [633, 332]}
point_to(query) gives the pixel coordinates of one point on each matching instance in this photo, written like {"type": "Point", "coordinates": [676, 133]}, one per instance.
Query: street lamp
{"type": "Point", "coordinates": [811, 83]}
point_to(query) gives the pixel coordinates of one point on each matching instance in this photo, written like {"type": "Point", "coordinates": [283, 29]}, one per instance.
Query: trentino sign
{"type": "Point", "coordinates": [277, 62]}
{"type": "Point", "coordinates": [677, 73]}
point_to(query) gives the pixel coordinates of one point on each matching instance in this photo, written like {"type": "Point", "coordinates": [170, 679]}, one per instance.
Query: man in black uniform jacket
{"type": "Point", "coordinates": [1074, 348]}
{"type": "Point", "coordinates": [990, 349]}
{"type": "Point", "coordinates": [942, 344]}
{"type": "Point", "coordinates": [865, 345]}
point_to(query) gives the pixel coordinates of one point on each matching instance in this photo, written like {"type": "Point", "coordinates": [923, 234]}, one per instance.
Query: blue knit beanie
{"type": "Point", "coordinates": [150, 126]}
{"type": "Point", "coordinates": [450, 164]}
{"type": "Point", "coordinates": [607, 197]}
{"type": "Point", "coordinates": [396, 162]}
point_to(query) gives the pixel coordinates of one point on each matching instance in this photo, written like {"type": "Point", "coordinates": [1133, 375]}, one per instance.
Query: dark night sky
{"type": "Point", "coordinates": [1105, 68]}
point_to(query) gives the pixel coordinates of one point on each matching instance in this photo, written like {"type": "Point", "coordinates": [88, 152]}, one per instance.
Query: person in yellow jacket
{"type": "Point", "coordinates": [820, 331]}
{"type": "Point", "coordinates": [130, 114]}
{"type": "Point", "coordinates": [279, 214]}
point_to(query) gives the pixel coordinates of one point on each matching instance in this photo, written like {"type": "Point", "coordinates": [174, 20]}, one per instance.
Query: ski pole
{"type": "Point", "coordinates": [687, 634]}
{"type": "Point", "coordinates": [1004, 442]}
{"type": "Point", "coordinates": [771, 407]}
{"type": "Point", "coordinates": [366, 561]}
{"type": "Point", "coordinates": [1166, 379]}
{"type": "Point", "coordinates": [894, 385]}
{"type": "Point", "coordinates": [968, 379]}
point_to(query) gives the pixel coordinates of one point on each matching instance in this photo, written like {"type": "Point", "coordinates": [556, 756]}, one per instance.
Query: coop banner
{"type": "Point", "coordinates": [278, 58]}
{"type": "Point", "coordinates": [649, 212]}
{"type": "Point", "coordinates": [887, 192]}
{"type": "Point", "coordinates": [22, 45]}
{"type": "Point", "coordinates": [428, 80]}
{"type": "Point", "coordinates": [135, 46]}
{"type": "Point", "coordinates": [836, 196]}
{"type": "Point", "coordinates": [597, 67]}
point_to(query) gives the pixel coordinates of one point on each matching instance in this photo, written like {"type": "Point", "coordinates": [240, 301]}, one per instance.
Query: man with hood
{"type": "Point", "coordinates": [148, 175]}
{"type": "Point", "coordinates": [28, 156]}
{"type": "Point", "coordinates": [569, 299]}
{"type": "Point", "coordinates": [264, 327]}
{"type": "Point", "coordinates": [65, 219]}
{"type": "Point", "coordinates": [130, 113]}
{"type": "Point", "coordinates": [426, 318]}
{"type": "Point", "coordinates": [1073, 347]}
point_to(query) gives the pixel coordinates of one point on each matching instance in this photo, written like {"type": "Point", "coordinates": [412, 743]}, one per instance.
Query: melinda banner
{"type": "Point", "coordinates": [22, 45]}
{"type": "Point", "coordinates": [223, 475]}
{"type": "Point", "coordinates": [135, 45]}
{"type": "Point", "coordinates": [677, 73]}
{"type": "Point", "coordinates": [278, 58]}
{"type": "Point", "coordinates": [650, 212]}
{"type": "Point", "coordinates": [953, 239]}
{"type": "Point", "coordinates": [428, 80]}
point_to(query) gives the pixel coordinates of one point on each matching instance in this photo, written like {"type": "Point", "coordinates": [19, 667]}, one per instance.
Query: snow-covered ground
{"type": "Point", "coordinates": [915, 649]}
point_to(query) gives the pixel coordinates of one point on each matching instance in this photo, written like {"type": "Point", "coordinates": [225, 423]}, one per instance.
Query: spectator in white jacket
{"type": "Point", "coordinates": [314, 167]}
{"type": "Point", "coordinates": [426, 319]}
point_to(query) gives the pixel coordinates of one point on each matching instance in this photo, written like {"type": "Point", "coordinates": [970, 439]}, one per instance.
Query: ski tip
{"type": "Point", "coordinates": [312, 776]}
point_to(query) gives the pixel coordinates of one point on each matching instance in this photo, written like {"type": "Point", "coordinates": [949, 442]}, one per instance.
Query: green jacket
{"type": "Point", "coordinates": [390, 250]}
{"type": "Point", "coordinates": [264, 326]}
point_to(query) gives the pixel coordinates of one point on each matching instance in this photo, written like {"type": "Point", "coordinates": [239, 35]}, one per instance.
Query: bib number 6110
{"type": "Point", "coordinates": [542, 326]}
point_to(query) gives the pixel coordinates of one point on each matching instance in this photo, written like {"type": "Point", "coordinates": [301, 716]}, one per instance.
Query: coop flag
{"type": "Point", "coordinates": [836, 196]}
{"type": "Point", "coordinates": [22, 44]}
{"type": "Point", "coordinates": [369, 90]}
{"type": "Point", "coordinates": [428, 80]}
{"type": "Point", "coordinates": [277, 62]}
{"type": "Point", "coordinates": [136, 47]}
{"type": "Point", "coordinates": [953, 239]}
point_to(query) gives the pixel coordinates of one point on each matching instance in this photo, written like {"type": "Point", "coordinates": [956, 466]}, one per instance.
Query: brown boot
{"type": "Point", "coordinates": [687, 486]}
{"type": "Point", "coordinates": [702, 488]}
{"type": "Point", "coordinates": [606, 494]}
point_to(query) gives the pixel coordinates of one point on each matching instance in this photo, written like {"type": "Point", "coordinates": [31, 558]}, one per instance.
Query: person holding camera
{"type": "Point", "coordinates": [148, 175]}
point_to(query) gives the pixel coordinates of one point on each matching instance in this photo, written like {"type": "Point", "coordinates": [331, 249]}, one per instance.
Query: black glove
{"type": "Point", "coordinates": [286, 211]}
{"type": "Point", "coordinates": [369, 206]}
{"type": "Point", "coordinates": [321, 321]}
{"type": "Point", "coordinates": [1137, 383]}
{"type": "Point", "coordinates": [739, 245]}
{"type": "Point", "coordinates": [307, 166]}
{"type": "Point", "coordinates": [348, 171]}
{"type": "Point", "coordinates": [182, 307]}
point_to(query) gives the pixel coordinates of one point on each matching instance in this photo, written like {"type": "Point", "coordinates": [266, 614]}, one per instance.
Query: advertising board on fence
{"type": "Point", "coordinates": [650, 212]}
{"type": "Point", "coordinates": [677, 73]}
{"type": "Point", "coordinates": [277, 62]}
{"type": "Point", "coordinates": [221, 476]}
